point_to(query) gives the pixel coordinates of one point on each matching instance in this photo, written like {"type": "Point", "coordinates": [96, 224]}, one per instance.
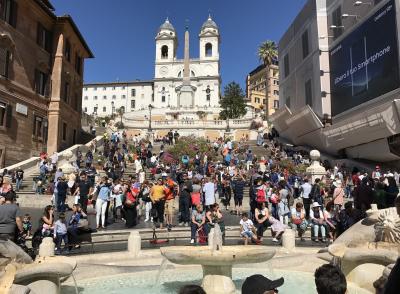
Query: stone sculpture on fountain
{"type": "Point", "coordinates": [369, 248]}
{"type": "Point", "coordinates": [20, 274]}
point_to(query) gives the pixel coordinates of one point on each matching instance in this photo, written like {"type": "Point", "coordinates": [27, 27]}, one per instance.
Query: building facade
{"type": "Point", "coordinates": [104, 99]}
{"type": "Point", "coordinates": [340, 85]}
{"type": "Point", "coordinates": [258, 83]}
{"type": "Point", "coordinates": [41, 76]}
{"type": "Point", "coordinates": [163, 91]}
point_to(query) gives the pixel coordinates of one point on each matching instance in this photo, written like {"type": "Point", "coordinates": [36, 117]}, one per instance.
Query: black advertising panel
{"type": "Point", "coordinates": [364, 65]}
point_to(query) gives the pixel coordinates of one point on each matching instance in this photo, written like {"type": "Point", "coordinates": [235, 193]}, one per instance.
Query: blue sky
{"type": "Point", "coordinates": [121, 32]}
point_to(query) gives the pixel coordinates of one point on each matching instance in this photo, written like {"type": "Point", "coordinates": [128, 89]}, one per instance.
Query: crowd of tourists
{"type": "Point", "coordinates": [200, 192]}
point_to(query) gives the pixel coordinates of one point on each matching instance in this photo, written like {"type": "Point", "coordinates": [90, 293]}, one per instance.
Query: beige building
{"type": "Point", "coordinates": [41, 76]}
{"type": "Point", "coordinates": [256, 83]}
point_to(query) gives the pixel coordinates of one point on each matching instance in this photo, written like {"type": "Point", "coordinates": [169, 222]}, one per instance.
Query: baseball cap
{"type": "Point", "coordinates": [258, 284]}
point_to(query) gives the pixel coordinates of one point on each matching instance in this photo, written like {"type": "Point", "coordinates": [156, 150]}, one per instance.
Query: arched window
{"type": "Point", "coordinates": [208, 50]}
{"type": "Point", "coordinates": [164, 52]}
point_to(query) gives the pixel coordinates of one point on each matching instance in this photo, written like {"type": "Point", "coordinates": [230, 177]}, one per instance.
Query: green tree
{"type": "Point", "coordinates": [232, 103]}
{"type": "Point", "coordinates": [121, 112]}
{"type": "Point", "coordinates": [267, 53]}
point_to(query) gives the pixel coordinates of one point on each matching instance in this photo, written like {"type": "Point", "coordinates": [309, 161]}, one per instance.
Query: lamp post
{"type": "Point", "coordinates": [150, 107]}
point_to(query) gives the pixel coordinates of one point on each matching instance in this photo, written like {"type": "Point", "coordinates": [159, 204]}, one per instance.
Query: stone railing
{"type": "Point", "coordinates": [32, 163]}
{"type": "Point", "coordinates": [189, 124]}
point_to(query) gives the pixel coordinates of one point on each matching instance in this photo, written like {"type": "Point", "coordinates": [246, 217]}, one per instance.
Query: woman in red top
{"type": "Point", "coordinates": [130, 207]}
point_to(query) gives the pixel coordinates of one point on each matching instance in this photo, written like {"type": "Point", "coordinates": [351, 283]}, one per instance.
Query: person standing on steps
{"type": "Point", "coordinates": [185, 189]}
{"type": "Point", "coordinates": [305, 195]}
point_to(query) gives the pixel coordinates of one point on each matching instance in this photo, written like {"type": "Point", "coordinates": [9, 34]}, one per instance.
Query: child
{"type": "Point", "coordinates": [60, 232]}
{"type": "Point", "coordinates": [247, 229]}
{"type": "Point", "coordinates": [27, 225]}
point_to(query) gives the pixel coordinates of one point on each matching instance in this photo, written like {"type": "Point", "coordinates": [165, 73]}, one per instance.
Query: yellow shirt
{"type": "Point", "coordinates": [158, 193]}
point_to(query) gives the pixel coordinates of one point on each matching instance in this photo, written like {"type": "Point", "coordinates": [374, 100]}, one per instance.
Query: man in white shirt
{"type": "Point", "coordinates": [209, 192]}
{"type": "Point", "coordinates": [246, 229]}
{"type": "Point", "coordinates": [229, 144]}
{"type": "Point", "coordinates": [305, 194]}
{"type": "Point", "coordinates": [54, 159]}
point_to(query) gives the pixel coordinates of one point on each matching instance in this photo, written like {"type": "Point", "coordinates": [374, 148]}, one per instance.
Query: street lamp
{"type": "Point", "coordinates": [150, 108]}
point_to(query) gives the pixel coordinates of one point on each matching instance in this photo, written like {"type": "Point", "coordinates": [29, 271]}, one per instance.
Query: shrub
{"type": "Point", "coordinates": [188, 146]}
{"type": "Point", "coordinates": [119, 125]}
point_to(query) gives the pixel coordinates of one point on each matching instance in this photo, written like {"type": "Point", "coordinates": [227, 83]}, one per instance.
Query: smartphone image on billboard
{"type": "Point", "coordinates": [359, 77]}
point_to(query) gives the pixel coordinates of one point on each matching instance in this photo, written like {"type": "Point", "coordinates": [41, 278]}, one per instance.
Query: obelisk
{"type": "Point", "coordinates": [186, 60]}
{"type": "Point", "coordinates": [186, 90]}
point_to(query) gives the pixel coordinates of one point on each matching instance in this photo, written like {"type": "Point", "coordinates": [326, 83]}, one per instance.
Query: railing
{"type": "Point", "coordinates": [189, 123]}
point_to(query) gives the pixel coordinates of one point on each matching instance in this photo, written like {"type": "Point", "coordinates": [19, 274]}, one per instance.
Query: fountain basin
{"type": "Point", "coordinates": [217, 262]}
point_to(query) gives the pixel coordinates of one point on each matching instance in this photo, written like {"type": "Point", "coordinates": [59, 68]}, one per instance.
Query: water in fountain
{"type": "Point", "coordinates": [337, 261]}
{"type": "Point", "coordinates": [215, 239]}
{"type": "Point", "coordinates": [163, 266]}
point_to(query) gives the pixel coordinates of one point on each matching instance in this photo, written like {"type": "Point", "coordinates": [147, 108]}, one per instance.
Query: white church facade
{"type": "Point", "coordinates": [164, 91]}
{"type": "Point", "coordinates": [183, 95]}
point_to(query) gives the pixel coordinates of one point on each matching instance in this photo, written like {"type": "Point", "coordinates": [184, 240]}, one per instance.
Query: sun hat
{"type": "Point", "coordinates": [258, 284]}
{"type": "Point", "coordinates": [316, 204]}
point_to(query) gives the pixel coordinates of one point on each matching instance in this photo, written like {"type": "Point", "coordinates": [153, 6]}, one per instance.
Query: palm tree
{"type": "Point", "coordinates": [121, 112]}
{"type": "Point", "coordinates": [267, 53]}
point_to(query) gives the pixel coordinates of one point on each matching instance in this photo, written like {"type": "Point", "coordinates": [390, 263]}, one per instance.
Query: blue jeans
{"type": "Point", "coordinates": [59, 239]}
{"type": "Point", "coordinates": [316, 228]}
{"type": "Point", "coordinates": [193, 230]}
{"type": "Point", "coordinates": [61, 203]}
{"type": "Point", "coordinates": [18, 184]}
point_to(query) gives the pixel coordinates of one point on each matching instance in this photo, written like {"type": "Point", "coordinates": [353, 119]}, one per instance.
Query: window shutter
{"type": "Point", "coordinates": [49, 41]}
{"type": "Point", "coordinates": [9, 116]}
{"type": "Point", "coordinates": [2, 9]}
{"type": "Point", "coordinates": [34, 125]}
{"type": "Point", "coordinates": [14, 13]}
{"type": "Point", "coordinates": [3, 62]}
{"type": "Point", "coordinates": [39, 35]}
{"type": "Point", "coordinates": [47, 88]}
{"type": "Point", "coordinates": [37, 81]}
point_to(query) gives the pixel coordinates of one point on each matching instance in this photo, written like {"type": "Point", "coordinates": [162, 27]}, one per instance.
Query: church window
{"type": "Point", "coordinates": [164, 52]}
{"type": "Point", "coordinates": [208, 50]}
{"type": "Point", "coordinates": [132, 103]}
{"type": "Point", "coordinates": [133, 92]}
{"type": "Point", "coordinates": [104, 109]}
{"type": "Point", "coordinates": [162, 98]}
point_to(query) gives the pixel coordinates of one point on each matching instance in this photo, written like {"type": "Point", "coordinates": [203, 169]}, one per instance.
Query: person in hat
{"type": "Point", "coordinates": [338, 195]}
{"type": "Point", "coordinates": [258, 284]}
{"type": "Point", "coordinates": [318, 222]}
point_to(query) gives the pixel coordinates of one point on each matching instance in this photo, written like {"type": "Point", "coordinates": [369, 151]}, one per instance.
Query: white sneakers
{"type": "Point", "coordinates": [192, 241]}
{"type": "Point", "coordinates": [275, 240]}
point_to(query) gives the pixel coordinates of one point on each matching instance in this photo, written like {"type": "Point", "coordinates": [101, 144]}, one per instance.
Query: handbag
{"type": "Point", "coordinates": [297, 221]}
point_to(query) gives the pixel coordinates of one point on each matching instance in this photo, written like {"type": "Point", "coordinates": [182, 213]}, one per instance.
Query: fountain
{"type": "Point", "coordinates": [217, 260]}
{"type": "Point", "coordinates": [20, 274]}
{"type": "Point", "coordinates": [368, 247]}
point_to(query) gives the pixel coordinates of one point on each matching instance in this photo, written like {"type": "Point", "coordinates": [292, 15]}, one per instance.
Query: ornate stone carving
{"type": "Point", "coordinates": [387, 229]}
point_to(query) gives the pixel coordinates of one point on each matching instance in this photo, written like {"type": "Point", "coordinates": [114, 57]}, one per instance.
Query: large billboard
{"type": "Point", "coordinates": [365, 64]}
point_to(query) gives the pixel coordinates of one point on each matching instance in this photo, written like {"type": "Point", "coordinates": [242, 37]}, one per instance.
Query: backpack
{"type": "Point", "coordinates": [260, 196]}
